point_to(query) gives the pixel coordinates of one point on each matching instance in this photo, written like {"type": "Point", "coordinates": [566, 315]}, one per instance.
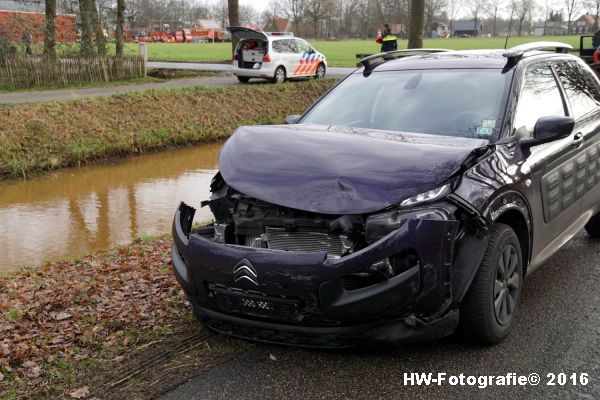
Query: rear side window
{"type": "Point", "coordinates": [284, 46]}
{"type": "Point", "coordinates": [540, 97]}
{"type": "Point", "coordinates": [581, 88]}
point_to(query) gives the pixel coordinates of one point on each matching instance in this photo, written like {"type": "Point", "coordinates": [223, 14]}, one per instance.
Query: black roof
{"type": "Point", "coordinates": [490, 59]}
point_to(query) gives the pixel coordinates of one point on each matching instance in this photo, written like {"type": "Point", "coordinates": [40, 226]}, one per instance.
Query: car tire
{"type": "Point", "coordinates": [593, 226]}
{"type": "Point", "coordinates": [487, 314]}
{"type": "Point", "coordinates": [243, 79]}
{"type": "Point", "coordinates": [320, 72]}
{"type": "Point", "coordinates": [279, 76]}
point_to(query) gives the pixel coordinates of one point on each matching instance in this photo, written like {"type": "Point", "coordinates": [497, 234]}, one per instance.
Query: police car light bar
{"type": "Point", "coordinates": [290, 34]}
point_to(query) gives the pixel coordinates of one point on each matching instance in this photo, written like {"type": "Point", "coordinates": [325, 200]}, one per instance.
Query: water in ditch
{"type": "Point", "coordinates": [77, 211]}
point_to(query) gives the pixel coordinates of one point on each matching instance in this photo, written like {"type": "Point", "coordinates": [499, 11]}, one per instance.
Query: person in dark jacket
{"type": "Point", "coordinates": [389, 41]}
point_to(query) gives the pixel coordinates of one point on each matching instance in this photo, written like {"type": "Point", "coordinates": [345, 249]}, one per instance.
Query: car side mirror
{"type": "Point", "coordinates": [292, 119]}
{"type": "Point", "coordinates": [549, 129]}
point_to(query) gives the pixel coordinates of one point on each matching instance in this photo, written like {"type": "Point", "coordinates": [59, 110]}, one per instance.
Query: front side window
{"type": "Point", "coordinates": [453, 102]}
{"type": "Point", "coordinates": [303, 47]}
{"type": "Point", "coordinates": [540, 97]}
{"type": "Point", "coordinates": [581, 88]}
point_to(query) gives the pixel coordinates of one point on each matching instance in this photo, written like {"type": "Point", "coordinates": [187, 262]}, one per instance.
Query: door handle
{"type": "Point", "coordinates": [578, 140]}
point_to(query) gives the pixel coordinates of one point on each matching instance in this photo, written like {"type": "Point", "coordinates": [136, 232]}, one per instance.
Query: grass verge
{"type": "Point", "coordinates": [112, 325]}
{"type": "Point", "coordinates": [39, 137]}
{"type": "Point", "coordinates": [339, 53]}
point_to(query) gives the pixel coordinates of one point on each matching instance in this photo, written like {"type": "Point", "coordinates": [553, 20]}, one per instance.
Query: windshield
{"type": "Point", "coordinates": [459, 102]}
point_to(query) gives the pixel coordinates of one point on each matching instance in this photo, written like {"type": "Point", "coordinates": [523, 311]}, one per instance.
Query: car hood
{"type": "Point", "coordinates": [335, 170]}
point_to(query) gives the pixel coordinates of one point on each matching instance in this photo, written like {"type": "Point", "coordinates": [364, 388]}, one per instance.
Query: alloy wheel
{"type": "Point", "coordinates": [320, 72]}
{"type": "Point", "coordinates": [279, 75]}
{"type": "Point", "coordinates": [506, 285]}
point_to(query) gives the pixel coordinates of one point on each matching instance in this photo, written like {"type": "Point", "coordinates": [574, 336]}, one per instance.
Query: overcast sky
{"type": "Point", "coordinates": [260, 5]}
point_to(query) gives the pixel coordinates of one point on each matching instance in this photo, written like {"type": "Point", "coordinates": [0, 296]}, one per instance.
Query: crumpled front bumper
{"type": "Point", "coordinates": [301, 298]}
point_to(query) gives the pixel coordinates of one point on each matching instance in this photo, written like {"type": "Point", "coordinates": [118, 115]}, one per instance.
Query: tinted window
{"type": "Point", "coordinates": [284, 46]}
{"type": "Point", "coordinates": [540, 97]}
{"type": "Point", "coordinates": [581, 88]}
{"type": "Point", "coordinates": [457, 102]}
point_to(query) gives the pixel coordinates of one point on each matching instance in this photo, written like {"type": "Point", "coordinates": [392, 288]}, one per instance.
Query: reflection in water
{"type": "Point", "coordinates": [77, 211]}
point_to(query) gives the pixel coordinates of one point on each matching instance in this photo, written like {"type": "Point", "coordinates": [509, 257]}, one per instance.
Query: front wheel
{"type": "Point", "coordinates": [320, 72]}
{"type": "Point", "coordinates": [279, 76]}
{"type": "Point", "coordinates": [593, 226]}
{"type": "Point", "coordinates": [243, 79]}
{"type": "Point", "coordinates": [487, 314]}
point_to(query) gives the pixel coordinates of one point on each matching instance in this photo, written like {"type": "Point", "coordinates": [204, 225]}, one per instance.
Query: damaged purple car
{"type": "Point", "coordinates": [409, 201]}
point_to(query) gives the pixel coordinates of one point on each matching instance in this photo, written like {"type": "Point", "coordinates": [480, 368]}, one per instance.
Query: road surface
{"type": "Point", "coordinates": [332, 72]}
{"type": "Point", "coordinates": [226, 79]}
{"type": "Point", "coordinates": [558, 330]}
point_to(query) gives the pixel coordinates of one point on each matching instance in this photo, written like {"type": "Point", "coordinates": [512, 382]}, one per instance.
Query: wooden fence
{"type": "Point", "coordinates": [20, 71]}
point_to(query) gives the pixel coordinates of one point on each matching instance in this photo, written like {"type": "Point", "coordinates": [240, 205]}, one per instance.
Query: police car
{"type": "Point", "coordinates": [274, 55]}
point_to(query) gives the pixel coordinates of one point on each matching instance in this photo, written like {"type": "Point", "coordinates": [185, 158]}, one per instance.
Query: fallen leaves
{"type": "Point", "coordinates": [73, 311]}
{"type": "Point", "coordinates": [80, 393]}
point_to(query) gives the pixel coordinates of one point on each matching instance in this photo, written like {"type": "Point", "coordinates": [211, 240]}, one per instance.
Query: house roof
{"type": "Point", "coordinates": [467, 25]}
{"type": "Point", "coordinates": [207, 24]}
{"type": "Point", "coordinates": [22, 5]}
{"type": "Point", "coordinates": [277, 24]}
{"type": "Point", "coordinates": [589, 19]}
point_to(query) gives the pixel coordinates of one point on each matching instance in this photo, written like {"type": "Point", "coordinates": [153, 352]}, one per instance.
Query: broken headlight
{"type": "Point", "coordinates": [430, 195]}
{"type": "Point", "coordinates": [380, 225]}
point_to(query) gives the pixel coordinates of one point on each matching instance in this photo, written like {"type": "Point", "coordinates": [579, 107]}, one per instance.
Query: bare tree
{"type": "Point", "coordinates": [315, 11]}
{"type": "Point", "coordinates": [476, 9]}
{"type": "Point", "coordinates": [294, 10]}
{"type": "Point", "coordinates": [50, 29]}
{"type": "Point", "coordinates": [233, 10]}
{"type": "Point", "coordinates": [348, 11]}
{"type": "Point", "coordinates": [522, 9]}
{"type": "Point", "coordinates": [495, 7]}
{"type": "Point", "coordinates": [433, 9]}
{"type": "Point", "coordinates": [415, 33]}
{"type": "Point", "coordinates": [119, 28]}
{"type": "Point", "coordinates": [97, 27]}
{"type": "Point", "coordinates": [452, 8]}
{"type": "Point", "coordinates": [572, 7]}
{"type": "Point", "coordinates": [86, 28]}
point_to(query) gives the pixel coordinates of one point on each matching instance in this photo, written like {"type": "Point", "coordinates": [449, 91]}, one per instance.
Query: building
{"type": "Point", "coordinates": [585, 24]}
{"type": "Point", "coordinates": [277, 24]}
{"type": "Point", "coordinates": [550, 28]}
{"type": "Point", "coordinates": [439, 30]}
{"type": "Point", "coordinates": [468, 28]}
{"type": "Point", "coordinates": [17, 17]}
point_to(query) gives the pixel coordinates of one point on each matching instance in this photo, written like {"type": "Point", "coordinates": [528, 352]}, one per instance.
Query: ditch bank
{"type": "Point", "coordinates": [113, 325]}
{"type": "Point", "coordinates": [44, 137]}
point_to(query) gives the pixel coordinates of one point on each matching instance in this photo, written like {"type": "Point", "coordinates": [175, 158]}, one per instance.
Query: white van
{"type": "Point", "coordinates": [274, 55]}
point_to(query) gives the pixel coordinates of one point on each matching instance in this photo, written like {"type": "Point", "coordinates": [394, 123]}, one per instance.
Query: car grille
{"type": "Point", "coordinates": [274, 336]}
{"type": "Point", "coordinates": [304, 239]}
{"type": "Point", "coordinates": [231, 300]}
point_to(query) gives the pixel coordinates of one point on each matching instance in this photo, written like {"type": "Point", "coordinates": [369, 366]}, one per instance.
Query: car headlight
{"type": "Point", "coordinates": [430, 195]}
{"type": "Point", "coordinates": [380, 225]}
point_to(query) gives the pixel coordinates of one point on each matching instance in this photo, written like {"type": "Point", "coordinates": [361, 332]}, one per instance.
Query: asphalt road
{"type": "Point", "coordinates": [226, 79]}
{"type": "Point", "coordinates": [558, 330]}
{"type": "Point", "coordinates": [332, 72]}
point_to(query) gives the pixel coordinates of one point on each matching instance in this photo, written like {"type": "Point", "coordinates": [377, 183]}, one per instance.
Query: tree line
{"type": "Point", "coordinates": [327, 19]}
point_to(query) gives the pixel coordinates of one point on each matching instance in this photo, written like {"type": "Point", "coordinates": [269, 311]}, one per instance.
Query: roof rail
{"type": "Point", "coordinates": [374, 60]}
{"type": "Point", "coordinates": [515, 53]}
